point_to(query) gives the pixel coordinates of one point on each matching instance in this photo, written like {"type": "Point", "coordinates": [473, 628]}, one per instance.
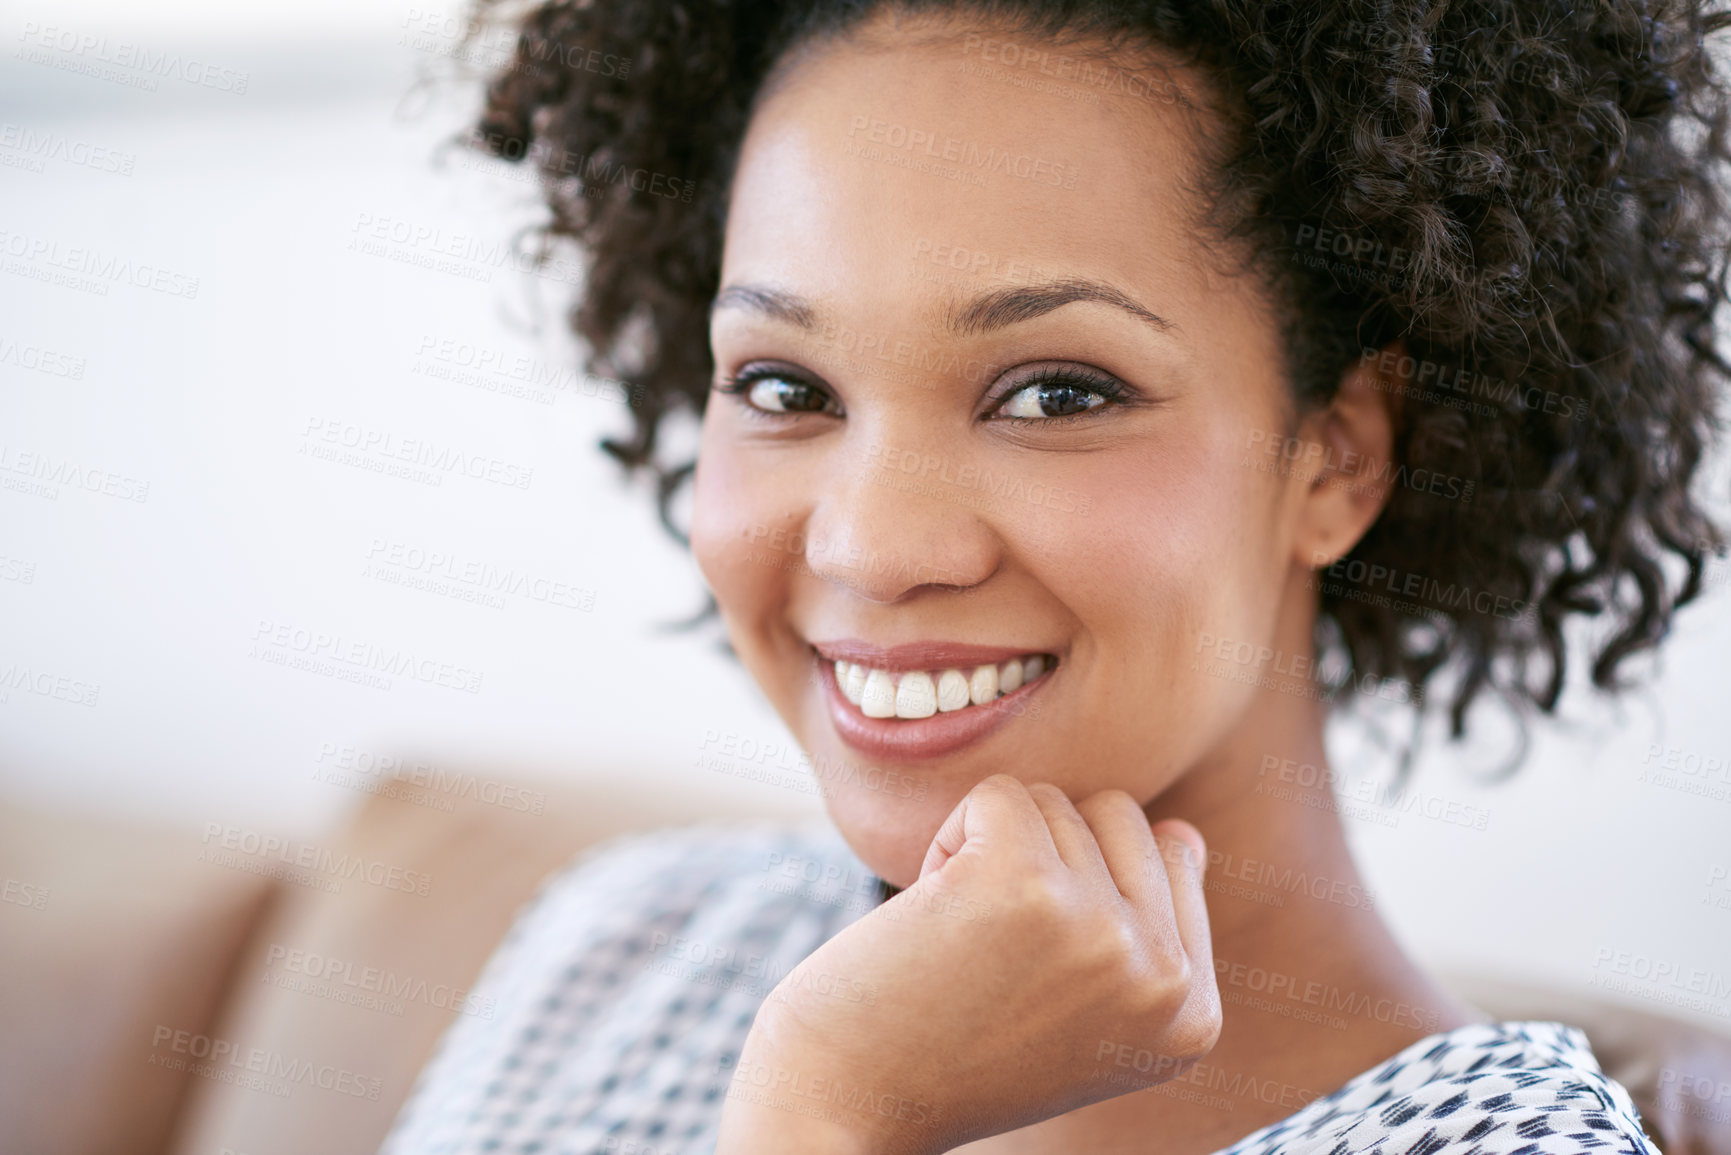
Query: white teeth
{"type": "Point", "coordinates": [983, 686]}
{"type": "Point", "coordinates": [878, 698]}
{"type": "Point", "coordinates": [854, 685]}
{"type": "Point", "coordinates": [952, 691]}
{"type": "Point", "coordinates": [916, 697]}
{"type": "Point", "coordinates": [920, 693]}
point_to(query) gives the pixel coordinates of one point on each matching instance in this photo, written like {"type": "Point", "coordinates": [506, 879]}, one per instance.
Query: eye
{"type": "Point", "coordinates": [775, 390]}
{"type": "Point", "coordinates": [1058, 393]}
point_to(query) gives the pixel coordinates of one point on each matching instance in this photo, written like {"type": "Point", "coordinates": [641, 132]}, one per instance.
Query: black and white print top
{"type": "Point", "coordinates": [623, 993]}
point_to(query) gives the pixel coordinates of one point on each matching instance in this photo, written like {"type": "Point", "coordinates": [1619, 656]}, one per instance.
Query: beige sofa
{"type": "Point", "coordinates": [215, 992]}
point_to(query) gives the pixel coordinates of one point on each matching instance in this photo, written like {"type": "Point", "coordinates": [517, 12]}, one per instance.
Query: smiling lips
{"type": "Point", "coordinates": [925, 700]}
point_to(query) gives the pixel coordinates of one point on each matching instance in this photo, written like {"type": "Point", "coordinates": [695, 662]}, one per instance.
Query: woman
{"type": "Point", "coordinates": [1059, 366]}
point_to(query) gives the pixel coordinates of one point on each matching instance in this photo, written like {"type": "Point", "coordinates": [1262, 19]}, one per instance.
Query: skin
{"type": "Point", "coordinates": [1184, 541]}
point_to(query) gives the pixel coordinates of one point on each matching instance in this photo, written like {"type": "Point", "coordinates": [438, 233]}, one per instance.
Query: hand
{"type": "Point", "coordinates": [1040, 939]}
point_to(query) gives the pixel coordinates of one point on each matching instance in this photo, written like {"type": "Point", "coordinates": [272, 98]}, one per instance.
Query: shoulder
{"type": "Point", "coordinates": [1532, 1088]}
{"type": "Point", "coordinates": [648, 954]}
{"type": "Point", "coordinates": [692, 895]}
{"type": "Point", "coordinates": [671, 877]}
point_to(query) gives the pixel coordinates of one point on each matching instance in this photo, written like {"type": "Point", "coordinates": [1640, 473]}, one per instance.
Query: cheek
{"type": "Point", "coordinates": [727, 531]}
{"type": "Point", "coordinates": [742, 538]}
{"type": "Point", "coordinates": [1181, 530]}
{"type": "Point", "coordinates": [1177, 552]}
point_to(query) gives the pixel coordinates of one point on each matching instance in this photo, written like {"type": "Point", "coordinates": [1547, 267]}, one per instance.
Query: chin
{"type": "Point", "coordinates": [891, 827]}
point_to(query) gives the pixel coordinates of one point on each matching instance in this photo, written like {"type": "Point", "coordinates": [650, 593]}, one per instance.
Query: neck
{"type": "Point", "coordinates": [1314, 988]}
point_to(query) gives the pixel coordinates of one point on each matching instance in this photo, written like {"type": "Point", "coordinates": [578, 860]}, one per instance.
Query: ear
{"type": "Point", "coordinates": [1350, 445]}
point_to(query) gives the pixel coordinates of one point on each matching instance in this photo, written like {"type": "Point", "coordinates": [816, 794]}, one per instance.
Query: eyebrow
{"type": "Point", "coordinates": [985, 313]}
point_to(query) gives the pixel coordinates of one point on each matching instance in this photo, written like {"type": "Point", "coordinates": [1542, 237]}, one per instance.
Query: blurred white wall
{"type": "Point", "coordinates": [166, 611]}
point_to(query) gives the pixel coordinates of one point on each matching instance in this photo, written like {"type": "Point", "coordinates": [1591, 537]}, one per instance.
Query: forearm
{"type": "Point", "coordinates": [760, 1122]}
{"type": "Point", "coordinates": [782, 1102]}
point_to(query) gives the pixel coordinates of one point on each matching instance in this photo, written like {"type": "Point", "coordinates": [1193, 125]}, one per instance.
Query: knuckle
{"type": "Point", "coordinates": [1201, 1028]}
{"type": "Point", "coordinates": [1040, 896]}
{"type": "Point", "coordinates": [1048, 792]}
{"type": "Point", "coordinates": [1177, 853]}
{"type": "Point", "coordinates": [1000, 783]}
{"type": "Point", "coordinates": [1111, 799]}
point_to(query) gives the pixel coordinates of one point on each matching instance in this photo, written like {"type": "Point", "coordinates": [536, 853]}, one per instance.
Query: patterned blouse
{"type": "Point", "coordinates": [624, 991]}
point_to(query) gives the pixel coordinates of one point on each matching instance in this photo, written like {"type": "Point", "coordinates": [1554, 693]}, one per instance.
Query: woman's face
{"type": "Point", "coordinates": [995, 398]}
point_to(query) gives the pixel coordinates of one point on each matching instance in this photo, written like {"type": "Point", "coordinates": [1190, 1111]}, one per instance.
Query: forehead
{"type": "Point", "coordinates": [875, 155]}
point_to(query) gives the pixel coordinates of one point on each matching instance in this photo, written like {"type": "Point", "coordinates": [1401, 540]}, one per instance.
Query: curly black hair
{"type": "Point", "coordinates": [1529, 196]}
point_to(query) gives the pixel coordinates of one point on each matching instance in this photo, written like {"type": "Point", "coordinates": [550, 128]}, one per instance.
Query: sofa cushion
{"type": "Point", "coordinates": [112, 939]}
{"type": "Point", "coordinates": [344, 992]}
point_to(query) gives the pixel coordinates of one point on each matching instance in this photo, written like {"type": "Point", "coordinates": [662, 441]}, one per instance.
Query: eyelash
{"type": "Point", "coordinates": [1109, 389]}
{"type": "Point", "coordinates": [740, 384]}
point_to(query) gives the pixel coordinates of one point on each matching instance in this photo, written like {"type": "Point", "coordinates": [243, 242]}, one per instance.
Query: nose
{"type": "Point", "coordinates": [894, 521]}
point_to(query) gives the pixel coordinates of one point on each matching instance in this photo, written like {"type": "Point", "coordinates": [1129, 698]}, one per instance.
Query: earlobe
{"type": "Point", "coordinates": [1351, 445]}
